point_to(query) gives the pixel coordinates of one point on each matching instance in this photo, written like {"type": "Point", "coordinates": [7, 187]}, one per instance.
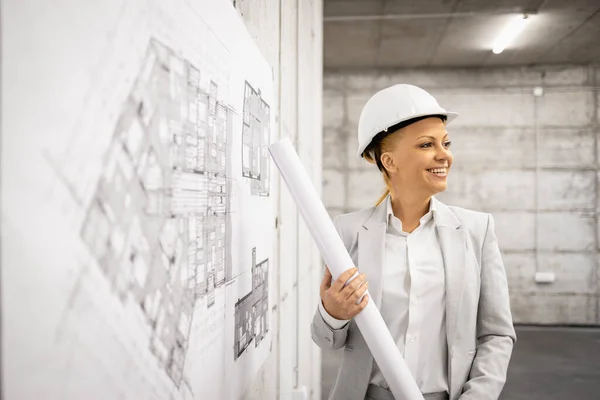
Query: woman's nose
{"type": "Point", "coordinates": [442, 153]}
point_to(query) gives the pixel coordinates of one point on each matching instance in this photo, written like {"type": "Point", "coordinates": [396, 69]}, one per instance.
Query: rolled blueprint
{"type": "Point", "coordinates": [334, 253]}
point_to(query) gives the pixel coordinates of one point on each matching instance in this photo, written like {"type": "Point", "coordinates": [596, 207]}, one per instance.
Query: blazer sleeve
{"type": "Point", "coordinates": [495, 331]}
{"type": "Point", "coordinates": [325, 336]}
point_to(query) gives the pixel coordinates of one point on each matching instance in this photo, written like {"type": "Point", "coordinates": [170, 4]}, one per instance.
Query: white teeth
{"type": "Point", "coordinates": [437, 170]}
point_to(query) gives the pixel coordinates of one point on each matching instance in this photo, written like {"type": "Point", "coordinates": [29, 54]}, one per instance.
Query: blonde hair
{"type": "Point", "coordinates": [373, 155]}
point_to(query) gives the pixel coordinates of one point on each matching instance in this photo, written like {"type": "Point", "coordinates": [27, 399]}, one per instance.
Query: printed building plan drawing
{"type": "Point", "coordinates": [143, 231]}
{"type": "Point", "coordinates": [158, 224]}
{"type": "Point", "coordinates": [251, 311]}
{"type": "Point", "coordinates": [255, 138]}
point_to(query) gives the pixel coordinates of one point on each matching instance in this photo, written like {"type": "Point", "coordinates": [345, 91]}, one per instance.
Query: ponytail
{"type": "Point", "coordinates": [382, 198]}
{"type": "Point", "coordinates": [388, 190]}
{"type": "Point", "coordinates": [375, 159]}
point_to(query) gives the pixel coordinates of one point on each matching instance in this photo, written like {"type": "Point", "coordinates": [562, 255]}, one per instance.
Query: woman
{"type": "Point", "coordinates": [434, 271]}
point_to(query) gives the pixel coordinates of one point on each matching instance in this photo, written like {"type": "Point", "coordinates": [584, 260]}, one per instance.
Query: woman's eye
{"type": "Point", "coordinates": [429, 144]}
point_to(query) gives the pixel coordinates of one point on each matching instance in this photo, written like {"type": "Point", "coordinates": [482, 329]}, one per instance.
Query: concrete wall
{"type": "Point", "coordinates": [289, 34]}
{"type": "Point", "coordinates": [542, 189]}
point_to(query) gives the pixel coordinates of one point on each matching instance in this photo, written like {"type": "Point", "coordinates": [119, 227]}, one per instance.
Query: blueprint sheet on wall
{"type": "Point", "coordinates": [138, 216]}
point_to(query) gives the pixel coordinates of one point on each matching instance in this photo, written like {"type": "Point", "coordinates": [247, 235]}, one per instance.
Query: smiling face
{"type": "Point", "coordinates": [418, 157]}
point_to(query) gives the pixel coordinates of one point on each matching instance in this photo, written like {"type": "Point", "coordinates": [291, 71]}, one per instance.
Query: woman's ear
{"type": "Point", "coordinates": [388, 162]}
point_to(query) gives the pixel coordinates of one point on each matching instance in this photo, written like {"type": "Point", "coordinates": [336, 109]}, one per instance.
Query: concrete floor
{"type": "Point", "coordinates": [548, 363]}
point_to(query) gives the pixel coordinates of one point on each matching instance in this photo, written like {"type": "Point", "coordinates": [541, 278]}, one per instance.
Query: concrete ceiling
{"type": "Point", "coordinates": [458, 33]}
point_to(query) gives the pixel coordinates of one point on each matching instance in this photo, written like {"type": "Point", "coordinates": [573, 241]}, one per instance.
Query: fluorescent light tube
{"type": "Point", "coordinates": [511, 31]}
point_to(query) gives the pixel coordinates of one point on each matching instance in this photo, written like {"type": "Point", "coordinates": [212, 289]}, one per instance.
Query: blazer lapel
{"type": "Point", "coordinates": [371, 247]}
{"type": "Point", "coordinates": [453, 243]}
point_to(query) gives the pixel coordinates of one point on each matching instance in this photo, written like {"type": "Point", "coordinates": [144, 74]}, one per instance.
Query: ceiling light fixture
{"type": "Point", "coordinates": [514, 27]}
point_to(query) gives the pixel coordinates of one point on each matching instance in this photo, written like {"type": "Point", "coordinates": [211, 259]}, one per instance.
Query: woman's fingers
{"type": "Point", "coordinates": [338, 285]}
{"type": "Point", "coordinates": [357, 308]}
{"type": "Point", "coordinates": [352, 286]}
{"type": "Point", "coordinates": [359, 292]}
{"type": "Point", "coordinates": [361, 306]}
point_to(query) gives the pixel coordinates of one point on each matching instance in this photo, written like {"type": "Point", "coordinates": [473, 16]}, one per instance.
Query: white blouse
{"type": "Point", "coordinates": [413, 303]}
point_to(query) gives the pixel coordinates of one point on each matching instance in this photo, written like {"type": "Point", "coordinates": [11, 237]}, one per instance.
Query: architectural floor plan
{"type": "Point", "coordinates": [158, 224]}
{"type": "Point", "coordinates": [251, 311]}
{"type": "Point", "coordinates": [142, 224]}
{"type": "Point", "coordinates": [255, 140]}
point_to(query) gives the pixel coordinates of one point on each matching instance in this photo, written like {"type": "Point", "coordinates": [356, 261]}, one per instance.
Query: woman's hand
{"type": "Point", "coordinates": [340, 300]}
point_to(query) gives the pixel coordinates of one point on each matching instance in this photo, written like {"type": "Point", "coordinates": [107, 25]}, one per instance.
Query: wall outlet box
{"type": "Point", "coordinates": [545, 277]}
{"type": "Point", "coordinates": [300, 393]}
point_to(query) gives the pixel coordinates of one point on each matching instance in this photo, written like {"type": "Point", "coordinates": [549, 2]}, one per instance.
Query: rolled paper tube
{"type": "Point", "coordinates": [334, 253]}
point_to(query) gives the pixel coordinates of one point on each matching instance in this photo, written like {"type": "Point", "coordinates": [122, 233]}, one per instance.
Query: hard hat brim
{"type": "Point", "coordinates": [450, 115]}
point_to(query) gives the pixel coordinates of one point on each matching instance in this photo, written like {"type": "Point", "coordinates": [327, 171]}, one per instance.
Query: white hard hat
{"type": "Point", "coordinates": [392, 106]}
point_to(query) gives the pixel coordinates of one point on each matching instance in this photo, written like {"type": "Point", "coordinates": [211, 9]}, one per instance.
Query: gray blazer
{"type": "Point", "coordinates": [478, 319]}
